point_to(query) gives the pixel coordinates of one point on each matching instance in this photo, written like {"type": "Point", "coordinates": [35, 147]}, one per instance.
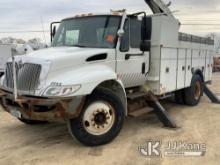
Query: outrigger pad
{"type": "Point", "coordinates": [161, 113]}
{"type": "Point", "coordinates": [211, 95]}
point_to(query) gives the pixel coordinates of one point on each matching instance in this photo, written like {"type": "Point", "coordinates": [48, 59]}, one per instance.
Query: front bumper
{"type": "Point", "coordinates": [43, 109]}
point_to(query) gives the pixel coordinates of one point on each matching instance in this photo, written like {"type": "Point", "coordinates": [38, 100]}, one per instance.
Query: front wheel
{"type": "Point", "coordinates": [101, 119]}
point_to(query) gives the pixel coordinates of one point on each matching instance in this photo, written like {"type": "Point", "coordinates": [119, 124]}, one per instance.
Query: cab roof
{"type": "Point", "coordinates": [92, 15]}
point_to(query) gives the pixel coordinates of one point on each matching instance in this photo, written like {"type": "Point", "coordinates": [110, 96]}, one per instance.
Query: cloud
{"type": "Point", "coordinates": [198, 3]}
{"type": "Point", "coordinates": [26, 14]}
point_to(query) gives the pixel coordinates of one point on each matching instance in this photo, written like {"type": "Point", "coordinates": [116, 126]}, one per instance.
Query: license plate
{"type": "Point", "coordinates": [15, 113]}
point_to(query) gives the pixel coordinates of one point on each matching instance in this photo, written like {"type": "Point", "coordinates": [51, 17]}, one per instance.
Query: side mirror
{"type": "Point", "coordinates": [146, 30]}
{"type": "Point", "coordinates": [145, 46]}
{"type": "Point", "coordinates": [54, 31]}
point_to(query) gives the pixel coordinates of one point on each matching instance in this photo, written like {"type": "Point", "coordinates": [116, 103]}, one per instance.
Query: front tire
{"type": "Point", "coordinates": [194, 93]}
{"type": "Point", "coordinates": [101, 119]}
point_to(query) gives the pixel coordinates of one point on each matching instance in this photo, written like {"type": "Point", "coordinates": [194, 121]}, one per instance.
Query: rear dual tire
{"type": "Point", "coordinates": [192, 95]}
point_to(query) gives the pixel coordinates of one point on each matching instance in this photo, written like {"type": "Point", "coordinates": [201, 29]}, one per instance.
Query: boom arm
{"type": "Point", "coordinates": [158, 6]}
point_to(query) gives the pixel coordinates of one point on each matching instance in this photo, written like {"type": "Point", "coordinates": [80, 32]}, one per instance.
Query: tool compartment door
{"type": "Point", "coordinates": [168, 70]}
{"type": "Point", "coordinates": [181, 68]}
{"type": "Point", "coordinates": [188, 77]}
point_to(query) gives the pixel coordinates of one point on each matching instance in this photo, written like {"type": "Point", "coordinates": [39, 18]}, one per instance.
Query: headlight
{"type": "Point", "coordinates": [61, 90]}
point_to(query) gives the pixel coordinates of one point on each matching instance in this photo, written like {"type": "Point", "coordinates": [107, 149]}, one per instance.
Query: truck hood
{"type": "Point", "coordinates": [61, 57]}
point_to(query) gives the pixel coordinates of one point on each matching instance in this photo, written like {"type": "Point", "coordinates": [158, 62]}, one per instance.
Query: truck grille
{"type": "Point", "coordinates": [27, 76]}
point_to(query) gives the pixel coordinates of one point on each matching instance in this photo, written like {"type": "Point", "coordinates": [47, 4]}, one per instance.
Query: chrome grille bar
{"type": "Point", "coordinates": [28, 76]}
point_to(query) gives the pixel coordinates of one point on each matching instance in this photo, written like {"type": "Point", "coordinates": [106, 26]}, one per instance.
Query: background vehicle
{"type": "Point", "coordinates": [5, 53]}
{"type": "Point", "coordinates": [102, 67]}
{"type": "Point", "coordinates": [216, 66]}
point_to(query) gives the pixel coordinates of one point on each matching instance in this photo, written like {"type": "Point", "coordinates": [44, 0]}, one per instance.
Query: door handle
{"type": "Point", "coordinates": [127, 56]}
{"type": "Point", "coordinates": [143, 68]}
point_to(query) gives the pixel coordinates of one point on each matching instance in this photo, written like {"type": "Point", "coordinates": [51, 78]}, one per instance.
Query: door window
{"type": "Point", "coordinates": [135, 33]}
{"type": "Point", "coordinates": [125, 40]}
{"type": "Point", "coordinates": [132, 36]}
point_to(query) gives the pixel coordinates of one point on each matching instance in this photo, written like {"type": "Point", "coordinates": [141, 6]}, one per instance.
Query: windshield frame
{"type": "Point", "coordinates": [114, 44]}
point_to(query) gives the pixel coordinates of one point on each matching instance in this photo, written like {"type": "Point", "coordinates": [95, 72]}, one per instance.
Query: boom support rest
{"type": "Point", "coordinates": [211, 95]}
{"type": "Point", "coordinates": [160, 111]}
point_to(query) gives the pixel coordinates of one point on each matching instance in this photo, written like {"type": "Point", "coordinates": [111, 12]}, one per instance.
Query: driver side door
{"type": "Point", "coordinates": [132, 63]}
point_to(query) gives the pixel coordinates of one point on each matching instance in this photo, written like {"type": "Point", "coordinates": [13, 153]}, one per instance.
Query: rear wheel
{"type": "Point", "coordinates": [179, 97]}
{"type": "Point", "coordinates": [101, 119]}
{"type": "Point", "coordinates": [194, 92]}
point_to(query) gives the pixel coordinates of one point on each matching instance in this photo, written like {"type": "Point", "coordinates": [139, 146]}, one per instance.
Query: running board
{"type": "Point", "coordinates": [160, 111]}
{"type": "Point", "coordinates": [211, 95]}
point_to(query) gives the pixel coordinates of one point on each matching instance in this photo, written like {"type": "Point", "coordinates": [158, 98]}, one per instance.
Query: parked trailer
{"type": "Point", "coordinates": [101, 68]}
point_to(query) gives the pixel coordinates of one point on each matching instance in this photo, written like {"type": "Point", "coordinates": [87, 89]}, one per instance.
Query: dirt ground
{"type": "Point", "coordinates": [51, 144]}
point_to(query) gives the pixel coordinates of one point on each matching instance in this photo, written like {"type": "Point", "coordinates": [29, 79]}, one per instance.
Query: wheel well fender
{"type": "Point", "coordinates": [199, 72]}
{"type": "Point", "coordinates": [117, 87]}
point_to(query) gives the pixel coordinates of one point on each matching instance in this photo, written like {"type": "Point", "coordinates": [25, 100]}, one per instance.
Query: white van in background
{"type": "Point", "coordinates": [5, 53]}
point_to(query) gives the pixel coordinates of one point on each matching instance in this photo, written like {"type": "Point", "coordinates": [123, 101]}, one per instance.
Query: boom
{"type": "Point", "coordinates": [158, 6]}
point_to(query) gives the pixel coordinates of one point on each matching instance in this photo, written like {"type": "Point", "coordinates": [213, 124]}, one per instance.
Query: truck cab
{"type": "Point", "coordinates": [91, 62]}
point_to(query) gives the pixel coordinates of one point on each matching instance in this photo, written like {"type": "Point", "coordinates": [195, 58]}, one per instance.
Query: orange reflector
{"type": "Point", "coordinates": [115, 13]}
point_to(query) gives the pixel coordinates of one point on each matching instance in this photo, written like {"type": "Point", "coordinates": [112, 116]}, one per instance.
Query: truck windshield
{"type": "Point", "coordinates": [92, 32]}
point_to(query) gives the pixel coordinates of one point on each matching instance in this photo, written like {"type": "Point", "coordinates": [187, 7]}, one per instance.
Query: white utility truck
{"type": "Point", "coordinates": [102, 67]}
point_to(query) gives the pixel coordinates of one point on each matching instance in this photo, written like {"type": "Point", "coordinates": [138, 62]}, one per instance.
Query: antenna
{"type": "Point", "coordinates": [42, 23]}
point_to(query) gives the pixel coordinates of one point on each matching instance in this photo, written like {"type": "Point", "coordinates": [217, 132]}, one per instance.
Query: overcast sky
{"type": "Point", "coordinates": [17, 15]}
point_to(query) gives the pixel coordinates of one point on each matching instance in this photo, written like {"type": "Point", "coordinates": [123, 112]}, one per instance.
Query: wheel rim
{"type": "Point", "coordinates": [197, 93]}
{"type": "Point", "coordinates": [99, 118]}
